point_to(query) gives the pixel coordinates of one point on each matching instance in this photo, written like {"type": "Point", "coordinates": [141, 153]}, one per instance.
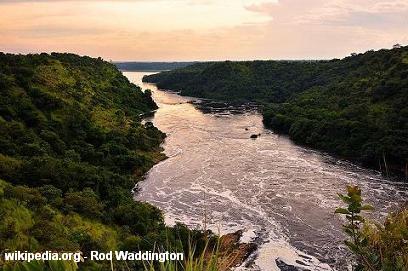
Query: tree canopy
{"type": "Point", "coordinates": [356, 107]}
{"type": "Point", "coordinates": [72, 146]}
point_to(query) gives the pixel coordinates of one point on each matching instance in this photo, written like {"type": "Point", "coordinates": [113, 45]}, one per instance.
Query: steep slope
{"type": "Point", "coordinates": [71, 149]}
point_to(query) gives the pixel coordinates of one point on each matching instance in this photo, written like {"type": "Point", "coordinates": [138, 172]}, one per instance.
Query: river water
{"type": "Point", "coordinates": [281, 194]}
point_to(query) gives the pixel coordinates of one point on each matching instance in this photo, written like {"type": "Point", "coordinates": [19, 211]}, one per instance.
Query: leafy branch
{"type": "Point", "coordinates": [353, 228]}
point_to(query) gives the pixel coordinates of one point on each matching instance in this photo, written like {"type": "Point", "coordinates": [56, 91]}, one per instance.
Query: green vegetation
{"type": "Point", "coordinates": [208, 260]}
{"type": "Point", "coordinates": [42, 266]}
{"type": "Point", "coordinates": [72, 147]}
{"type": "Point", "coordinates": [356, 107]}
{"type": "Point", "coordinates": [376, 247]}
{"type": "Point", "coordinates": [262, 81]}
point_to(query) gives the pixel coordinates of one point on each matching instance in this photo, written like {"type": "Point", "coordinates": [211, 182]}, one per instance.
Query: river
{"type": "Point", "coordinates": [283, 195]}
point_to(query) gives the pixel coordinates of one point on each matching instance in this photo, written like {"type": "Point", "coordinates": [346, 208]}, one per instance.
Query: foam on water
{"type": "Point", "coordinates": [283, 196]}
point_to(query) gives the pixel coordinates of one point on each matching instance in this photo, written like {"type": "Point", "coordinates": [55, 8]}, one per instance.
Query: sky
{"type": "Point", "coordinates": [177, 30]}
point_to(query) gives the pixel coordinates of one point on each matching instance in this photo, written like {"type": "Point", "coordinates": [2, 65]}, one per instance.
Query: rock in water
{"type": "Point", "coordinates": [232, 253]}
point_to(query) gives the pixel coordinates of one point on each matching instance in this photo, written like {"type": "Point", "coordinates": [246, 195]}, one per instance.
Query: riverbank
{"type": "Point", "coordinates": [282, 195]}
{"type": "Point", "coordinates": [355, 107]}
{"type": "Point", "coordinates": [72, 148]}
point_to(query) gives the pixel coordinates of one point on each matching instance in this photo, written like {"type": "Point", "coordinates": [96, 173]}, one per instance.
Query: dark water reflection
{"type": "Point", "coordinates": [282, 194]}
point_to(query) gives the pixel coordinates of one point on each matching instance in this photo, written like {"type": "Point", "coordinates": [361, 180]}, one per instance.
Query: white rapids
{"type": "Point", "coordinates": [281, 194]}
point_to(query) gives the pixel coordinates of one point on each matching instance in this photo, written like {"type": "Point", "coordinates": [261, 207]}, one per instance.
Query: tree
{"type": "Point", "coordinates": [376, 246]}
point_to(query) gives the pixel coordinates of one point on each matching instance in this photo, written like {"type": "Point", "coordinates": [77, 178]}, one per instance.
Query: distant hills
{"type": "Point", "coordinates": [151, 66]}
{"type": "Point", "coordinates": [356, 107]}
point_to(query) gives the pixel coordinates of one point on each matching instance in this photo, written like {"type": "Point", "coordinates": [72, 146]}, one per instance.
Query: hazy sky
{"type": "Point", "coordinates": [203, 29]}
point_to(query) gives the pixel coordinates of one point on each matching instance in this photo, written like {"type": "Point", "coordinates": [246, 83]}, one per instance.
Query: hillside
{"type": "Point", "coordinates": [71, 149]}
{"type": "Point", "coordinates": [356, 107]}
{"type": "Point", "coordinates": [263, 81]}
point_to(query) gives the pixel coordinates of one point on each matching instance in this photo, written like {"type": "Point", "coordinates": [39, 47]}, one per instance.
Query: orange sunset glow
{"type": "Point", "coordinates": [203, 29]}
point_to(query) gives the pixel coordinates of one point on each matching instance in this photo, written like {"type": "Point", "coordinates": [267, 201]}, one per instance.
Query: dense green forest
{"type": "Point", "coordinates": [356, 107]}
{"type": "Point", "coordinates": [72, 147]}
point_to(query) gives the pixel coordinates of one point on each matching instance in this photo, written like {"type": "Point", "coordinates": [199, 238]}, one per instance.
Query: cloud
{"type": "Point", "coordinates": [203, 29]}
{"type": "Point", "coordinates": [362, 13]}
{"type": "Point", "coordinates": [331, 28]}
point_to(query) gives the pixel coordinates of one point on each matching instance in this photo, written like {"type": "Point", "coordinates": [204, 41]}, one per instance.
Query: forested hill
{"type": "Point", "coordinates": [71, 149]}
{"type": "Point", "coordinates": [266, 81]}
{"type": "Point", "coordinates": [356, 107]}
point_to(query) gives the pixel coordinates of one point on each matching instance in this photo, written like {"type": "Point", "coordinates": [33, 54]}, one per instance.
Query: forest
{"type": "Point", "coordinates": [72, 147]}
{"type": "Point", "coordinates": [356, 107]}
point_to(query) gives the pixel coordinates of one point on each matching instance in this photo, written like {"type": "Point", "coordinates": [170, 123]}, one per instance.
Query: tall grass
{"type": "Point", "coordinates": [208, 260]}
